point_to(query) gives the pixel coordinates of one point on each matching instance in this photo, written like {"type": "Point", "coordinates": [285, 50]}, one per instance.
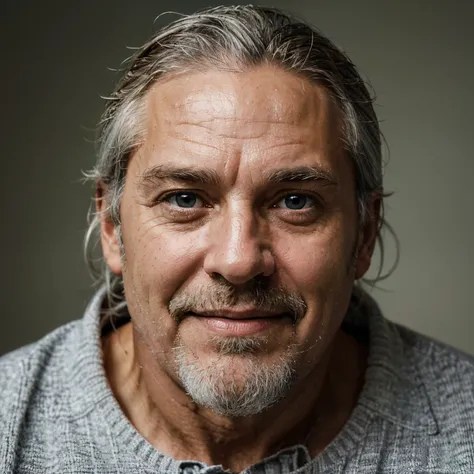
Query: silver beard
{"type": "Point", "coordinates": [212, 386]}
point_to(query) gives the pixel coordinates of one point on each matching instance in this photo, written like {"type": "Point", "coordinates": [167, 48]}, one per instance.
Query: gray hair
{"type": "Point", "coordinates": [233, 38]}
{"type": "Point", "coordinates": [211, 387]}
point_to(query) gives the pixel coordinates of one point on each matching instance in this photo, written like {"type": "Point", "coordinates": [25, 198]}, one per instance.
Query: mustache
{"type": "Point", "coordinates": [277, 300]}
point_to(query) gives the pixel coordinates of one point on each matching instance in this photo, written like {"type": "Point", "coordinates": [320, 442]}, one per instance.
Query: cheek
{"type": "Point", "coordinates": [318, 266]}
{"type": "Point", "coordinates": [315, 261]}
{"type": "Point", "coordinates": [158, 260]}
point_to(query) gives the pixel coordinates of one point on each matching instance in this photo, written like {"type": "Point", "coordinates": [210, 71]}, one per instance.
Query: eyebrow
{"type": "Point", "coordinates": [300, 174]}
{"type": "Point", "coordinates": [153, 175]}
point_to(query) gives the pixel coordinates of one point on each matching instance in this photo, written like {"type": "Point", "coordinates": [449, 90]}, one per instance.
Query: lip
{"type": "Point", "coordinates": [226, 326]}
{"type": "Point", "coordinates": [239, 314]}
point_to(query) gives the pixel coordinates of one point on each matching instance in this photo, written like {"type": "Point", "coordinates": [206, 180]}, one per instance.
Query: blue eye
{"type": "Point", "coordinates": [296, 202]}
{"type": "Point", "coordinates": [184, 200]}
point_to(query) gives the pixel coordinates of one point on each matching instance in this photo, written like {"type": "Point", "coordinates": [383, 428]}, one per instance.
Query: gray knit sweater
{"type": "Point", "coordinates": [415, 412]}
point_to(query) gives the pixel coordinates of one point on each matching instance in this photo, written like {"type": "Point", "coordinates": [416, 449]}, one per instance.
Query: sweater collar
{"type": "Point", "coordinates": [393, 387]}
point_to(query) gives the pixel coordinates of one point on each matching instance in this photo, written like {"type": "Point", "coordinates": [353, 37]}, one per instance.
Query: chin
{"type": "Point", "coordinates": [235, 384]}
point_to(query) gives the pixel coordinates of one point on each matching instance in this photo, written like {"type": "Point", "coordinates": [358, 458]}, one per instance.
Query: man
{"type": "Point", "coordinates": [239, 200]}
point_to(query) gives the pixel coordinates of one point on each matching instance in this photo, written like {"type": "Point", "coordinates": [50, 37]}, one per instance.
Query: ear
{"type": "Point", "coordinates": [368, 236]}
{"type": "Point", "coordinates": [108, 235]}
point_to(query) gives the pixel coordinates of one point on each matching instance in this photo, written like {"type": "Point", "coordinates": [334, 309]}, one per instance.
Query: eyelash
{"type": "Point", "coordinates": [164, 198]}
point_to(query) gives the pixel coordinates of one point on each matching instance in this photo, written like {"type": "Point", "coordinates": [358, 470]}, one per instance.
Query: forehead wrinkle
{"type": "Point", "coordinates": [233, 95]}
{"type": "Point", "coordinates": [203, 123]}
{"type": "Point", "coordinates": [246, 131]}
{"type": "Point", "coordinates": [197, 142]}
{"type": "Point", "coordinates": [248, 114]}
{"type": "Point", "coordinates": [290, 113]}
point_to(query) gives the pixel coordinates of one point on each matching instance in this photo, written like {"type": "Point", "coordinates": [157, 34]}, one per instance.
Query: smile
{"type": "Point", "coordinates": [226, 326]}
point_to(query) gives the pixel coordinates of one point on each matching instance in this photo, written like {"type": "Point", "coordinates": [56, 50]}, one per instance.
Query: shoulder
{"type": "Point", "coordinates": [31, 365]}
{"type": "Point", "coordinates": [440, 365]}
{"type": "Point", "coordinates": [33, 386]}
{"type": "Point", "coordinates": [34, 372]}
{"type": "Point", "coordinates": [423, 396]}
{"type": "Point", "coordinates": [447, 377]}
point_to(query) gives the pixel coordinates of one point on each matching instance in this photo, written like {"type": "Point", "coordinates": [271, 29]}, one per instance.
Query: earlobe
{"type": "Point", "coordinates": [363, 264]}
{"type": "Point", "coordinates": [111, 248]}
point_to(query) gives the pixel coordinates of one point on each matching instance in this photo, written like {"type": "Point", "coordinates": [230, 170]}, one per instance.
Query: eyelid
{"type": "Point", "coordinates": [316, 198]}
{"type": "Point", "coordinates": [166, 195]}
{"type": "Point", "coordinates": [281, 195]}
{"type": "Point", "coordinates": [306, 205]}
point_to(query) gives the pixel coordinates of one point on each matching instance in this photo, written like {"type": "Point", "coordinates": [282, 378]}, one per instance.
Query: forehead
{"type": "Point", "coordinates": [263, 117]}
{"type": "Point", "coordinates": [264, 94]}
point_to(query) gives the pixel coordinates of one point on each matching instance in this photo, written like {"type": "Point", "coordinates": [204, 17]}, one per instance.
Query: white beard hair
{"type": "Point", "coordinates": [260, 387]}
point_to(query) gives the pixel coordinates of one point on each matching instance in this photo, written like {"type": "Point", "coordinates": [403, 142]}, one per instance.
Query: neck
{"type": "Point", "coordinates": [313, 413]}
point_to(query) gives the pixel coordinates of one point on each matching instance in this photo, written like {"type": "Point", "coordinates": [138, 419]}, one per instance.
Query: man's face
{"type": "Point", "coordinates": [240, 231]}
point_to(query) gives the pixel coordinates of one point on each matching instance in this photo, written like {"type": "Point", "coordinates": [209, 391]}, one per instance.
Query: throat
{"type": "Point", "coordinates": [312, 413]}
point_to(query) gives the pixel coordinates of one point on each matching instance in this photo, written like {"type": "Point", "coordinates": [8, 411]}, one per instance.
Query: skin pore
{"type": "Point", "coordinates": [242, 181]}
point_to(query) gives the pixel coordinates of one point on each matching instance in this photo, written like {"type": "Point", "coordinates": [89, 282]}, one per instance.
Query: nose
{"type": "Point", "coordinates": [236, 251]}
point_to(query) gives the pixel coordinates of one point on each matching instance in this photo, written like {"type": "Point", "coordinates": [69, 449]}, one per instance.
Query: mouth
{"type": "Point", "coordinates": [247, 324]}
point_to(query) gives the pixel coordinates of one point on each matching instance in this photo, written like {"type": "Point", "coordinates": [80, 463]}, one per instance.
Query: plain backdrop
{"type": "Point", "coordinates": [55, 63]}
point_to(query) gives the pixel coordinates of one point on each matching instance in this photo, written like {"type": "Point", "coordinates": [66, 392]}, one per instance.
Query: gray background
{"type": "Point", "coordinates": [54, 58]}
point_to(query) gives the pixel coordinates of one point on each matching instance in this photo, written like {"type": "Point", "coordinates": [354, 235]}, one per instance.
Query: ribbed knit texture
{"type": "Point", "coordinates": [415, 413]}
